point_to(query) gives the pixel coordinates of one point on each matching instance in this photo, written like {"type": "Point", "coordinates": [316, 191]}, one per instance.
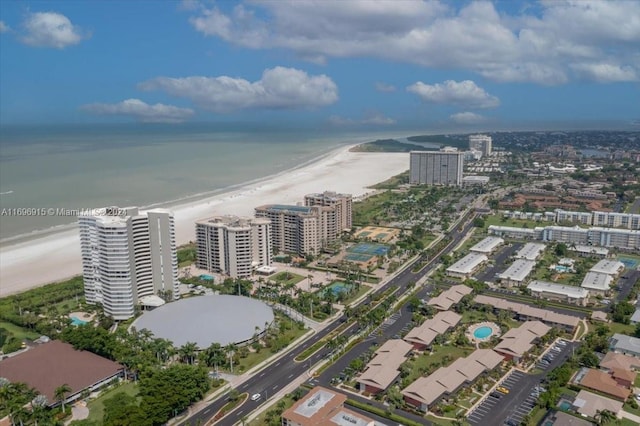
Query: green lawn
{"type": "Point", "coordinates": [255, 358]}
{"type": "Point", "coordinates": [96, 407]}
{"type": "Point", "coordinates": [627, 329]}
{"type": "Point", "coordinates": [435, 359]}
{"type": "Point", "coordinates": [286, 277]}
{"type": "Point", "coordinates": [498, 220]}
{"type": "Point", "coordinates": [285, 402]}
{"type": "Point", "coordinates": [354, 296]}
{"type": "Point", "coordinates": [19, 332]}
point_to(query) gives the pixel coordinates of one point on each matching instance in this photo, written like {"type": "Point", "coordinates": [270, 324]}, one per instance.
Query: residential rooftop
{"type": "Point", "coordinates": [449, 297]}
{"type": "Point", "coordinates": [382, 370]}
{"type": "Point", "coordinates": [589, 404]}
{"type": "Point", "coordinates": [517, 341]}
{"type": "Point", "coordinates": [488, 245]}
{"type": "Point", "coordinates": [467, 264]}
{"type": "Point", "coordinates": [519, 270]}
{"type": "Point", "coordinates": [564, 290]}
{"type": "Point", "coordinates": [597, 281]}
{"type": "Point", "coordinates": [608, 266]}
{"type": "Point", "coordinates": [522, 309]}
{"type": "Point", "coordinates": [530, 251]}
{"type": "Point", "coordinates": [425, 333]}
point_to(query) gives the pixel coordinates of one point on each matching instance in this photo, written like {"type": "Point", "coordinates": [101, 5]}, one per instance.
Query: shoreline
{"type": "Point", "coordinates": [56, 256]}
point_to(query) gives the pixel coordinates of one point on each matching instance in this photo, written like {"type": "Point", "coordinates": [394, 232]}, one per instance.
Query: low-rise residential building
{"type": "Point", "coordinates": [589, 251]}
{"type": "Point", "coordinates": [598, 284]}
{"type": "Point", "coordinates": [467, 266]}
{"type": "Point", "coordinates": [590, 404]}
{"type": "Point", "coordinates": [613, 237]}
{"type": "Point", "coordinates": [322, 406]}
{"type": "Point", "coordinates": [530, 251]}
{"type": "Point", "coordinates": [599, 316]}
{"type": "Point", "coordinates": [608, 266]}
{"type": "Point", "coordinates": [49, 365]}
{"type": "Point", "coordinates": [450, 297]}
{"type": "Point", "coordinates": [423, 335]}
{"type": "Point", "coordinates": [487, 245]}
{"type": "Point", "coordinates": [623, 344]}
{"type": "Point", "coordinates": [566, 234]}
{"type": "Point", "coordinates": [513, 232]}
{"type": "Point", "coordinates": [602, 382]}
{"type": "Point", "coordinates": [635, 318]}
{"type": "Point", "coordinates": [524, 312]}
{"type": "Point", "coordinates": [517, 272]}
{"type": "Point", "coordinates": [382, 370]}
{"type": "Point", "coordinates": [518, 341]}
{"type": "Point", "coordinates": [613, 360]}
{"type": "Point", "coordinates": [426, 391]}
{"type": "Point", "coordinates": [563, 293]}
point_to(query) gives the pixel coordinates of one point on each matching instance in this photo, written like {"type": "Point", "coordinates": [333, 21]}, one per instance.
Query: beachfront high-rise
{"type": "Point", "coordinates": [480, 143]}
{"type": "Point", "coordinates": [299, 229]}
{"type": "Point", "coordinates": [126, 256]}
{"type": "Point", "coordinates": [232, 245]}
{"type": "Point", "coordinates": [436, 168]}
{"type": "Point", "coordinates": [342, 204]}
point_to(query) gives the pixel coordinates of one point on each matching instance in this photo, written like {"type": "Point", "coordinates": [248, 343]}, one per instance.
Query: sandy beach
{"type": "Point", "coordinates": [57, 257]}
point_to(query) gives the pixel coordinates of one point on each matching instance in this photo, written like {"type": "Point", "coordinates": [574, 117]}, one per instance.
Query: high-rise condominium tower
{"type": "Point", "coordinates": [127, 255]}
{"type": "Point", "coordinates": [436, 168]}
{"type": "Point", "coordinates": [341, 203]}
{"type": "Point", "coordinates": [232, 245]}
{"type": "Point", "coordinates": [480, 143]}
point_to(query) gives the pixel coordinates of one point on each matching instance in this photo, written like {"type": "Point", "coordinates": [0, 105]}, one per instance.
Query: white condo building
{"type": "Point", "coordinates": [232, 245]}
{"type": "Point", "coordinates": [480, 143]}
{"type": "Point", "coordinates": [126, 256]}
{"type": "Point", "coordinates": [436, 168]}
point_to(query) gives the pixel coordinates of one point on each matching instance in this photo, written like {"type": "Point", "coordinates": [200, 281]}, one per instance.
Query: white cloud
{"type": "Point", "coordinates": [4, 27]}
{"type": "Point", "coordinates": [378, 120]}
{"type": "Point", "coordinates": [606, 73]}
{"type": "Point", "coordinates": [50, 29]}
{"type": "Point", "coordinates": [464, 93]}
{"type": "Point", "coordinates": [384, 87]}
{"type": "Point", "coordinates": [141, 111]}
{"type": "Point", "coordinates": [336, 120]}
{"type": "Point", "coordinates": [467, 118]}
{"type": "Point", "coordinates": [540, 44]}
{"type": "Point", "coordinates": [279, 88]}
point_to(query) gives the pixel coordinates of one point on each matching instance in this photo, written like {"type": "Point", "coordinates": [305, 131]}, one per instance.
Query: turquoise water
{"type": "Point", "coordinates": [482, 332]}
{"type": "Point", "coordinates": [565, 405]}
{"type": "Point", "coordinates": [206, 277]}
{"type": "Point", "coordinates": [562, 268]}
{"type": "Point", "coordinates": [82, 166]}
{"type": "Point", "coordinates": [77, 321]}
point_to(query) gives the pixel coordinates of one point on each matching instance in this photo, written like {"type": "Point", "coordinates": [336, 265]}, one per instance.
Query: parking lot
{"type": "Point", "coordinates": [520, 390]}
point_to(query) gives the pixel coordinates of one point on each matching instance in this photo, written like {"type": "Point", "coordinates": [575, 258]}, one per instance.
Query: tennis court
{"type": "Point", "coordinates": [370, 249]}
{"type": "Point", "coordinates": [358, 257]}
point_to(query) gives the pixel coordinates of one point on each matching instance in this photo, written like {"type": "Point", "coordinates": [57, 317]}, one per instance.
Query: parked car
{"type": "Point", "coordinates": [502, 389]}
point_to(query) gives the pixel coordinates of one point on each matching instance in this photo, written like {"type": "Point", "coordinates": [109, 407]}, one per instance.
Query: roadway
{"type": "Point", "coordinates": [283, 371]}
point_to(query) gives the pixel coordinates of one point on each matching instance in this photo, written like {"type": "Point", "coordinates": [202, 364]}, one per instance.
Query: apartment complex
{"type": "Point", "coordinates": [595, 236]}
{"type": "Point", "coordinates": [595, 218]}
{"type": "Point", "coordinates": [306, 229]}
{"type": "Point", "coordinates": [436, 168]}
{"type": "Point", "coordinates": [232, 245]}
{"type": "Point", "coordinates": [127, 255]}
{"type": "Point", "coordinates": [341, 204]}
{"type": "Point", "coordinates": [480, 143]}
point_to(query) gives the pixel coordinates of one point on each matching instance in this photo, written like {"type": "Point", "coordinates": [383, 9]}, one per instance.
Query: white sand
{"type": "Point", "coordinates": [57, 257]}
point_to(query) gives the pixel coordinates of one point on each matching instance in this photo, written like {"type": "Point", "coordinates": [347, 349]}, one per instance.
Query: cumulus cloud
{"type": "Point", "coordinates": [378, 120]}
{"type": "Point", "coordinates": [467, 118]}
{"type": "Point", "coordinates": [540, 44]}
{"type": "Point", "coordinates": [464, 93]}
{"type": "Point", "coordinates": [4, 27]}
{"type": "Point", "coordinates": [141, 111]}
{"type": "Point", "coordinates": [385, 88]}
{"type": "Point", "coordinates": [50, 29]}
{"type": "Point", "coordinates": [278, 88]}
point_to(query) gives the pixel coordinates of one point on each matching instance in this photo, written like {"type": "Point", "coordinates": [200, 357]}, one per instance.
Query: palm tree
{"type": "Point", "coordinates": [230, 349]}
{"type": "Point", "coordinates": [604, 417]}
{"type": "Point", "coordinates": [188, 352]}
{"type": "Point", "coordinates": [60, 393]}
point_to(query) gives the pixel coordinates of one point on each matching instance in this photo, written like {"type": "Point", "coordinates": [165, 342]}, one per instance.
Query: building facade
{"type": "Point", "coordinates": [232, 245]}
{"type": "Point", "coordinates": [127, 255]}
{"type": "Point", "coordinates": [436, 168]}
{"type": "Point", "coordinates": [482, 143]}
{"type": "Point", "coordinates": [341, 203]}
{"type": "Point", "coordinates": [300, 229]}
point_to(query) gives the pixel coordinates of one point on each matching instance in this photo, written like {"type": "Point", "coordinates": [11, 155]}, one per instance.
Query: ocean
{"type": "Point", "coordinates": [47, 169]}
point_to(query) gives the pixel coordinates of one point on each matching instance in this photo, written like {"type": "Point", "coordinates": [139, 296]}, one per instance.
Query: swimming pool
{"type": "Point", "coordinates": [206, 277]}
{"type": "Point", "coordinates": [482, 332]}
{"type": "Point", "coordinates": [77, 321]}
{"type": "Point", "coordinates": [564, 405]}
{"type": "Point", "coordinates": [562, 268]}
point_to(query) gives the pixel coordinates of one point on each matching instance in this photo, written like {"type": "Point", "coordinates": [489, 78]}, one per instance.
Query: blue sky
{"type": "Point", "coordinates": [343, 64]}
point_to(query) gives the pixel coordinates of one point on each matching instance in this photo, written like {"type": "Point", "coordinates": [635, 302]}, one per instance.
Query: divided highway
{"type": "Point", "coordinates": [279, 374]}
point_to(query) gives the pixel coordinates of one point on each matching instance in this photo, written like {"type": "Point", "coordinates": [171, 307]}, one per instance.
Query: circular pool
{"type": "Point", "coordinates": [483, 332]}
